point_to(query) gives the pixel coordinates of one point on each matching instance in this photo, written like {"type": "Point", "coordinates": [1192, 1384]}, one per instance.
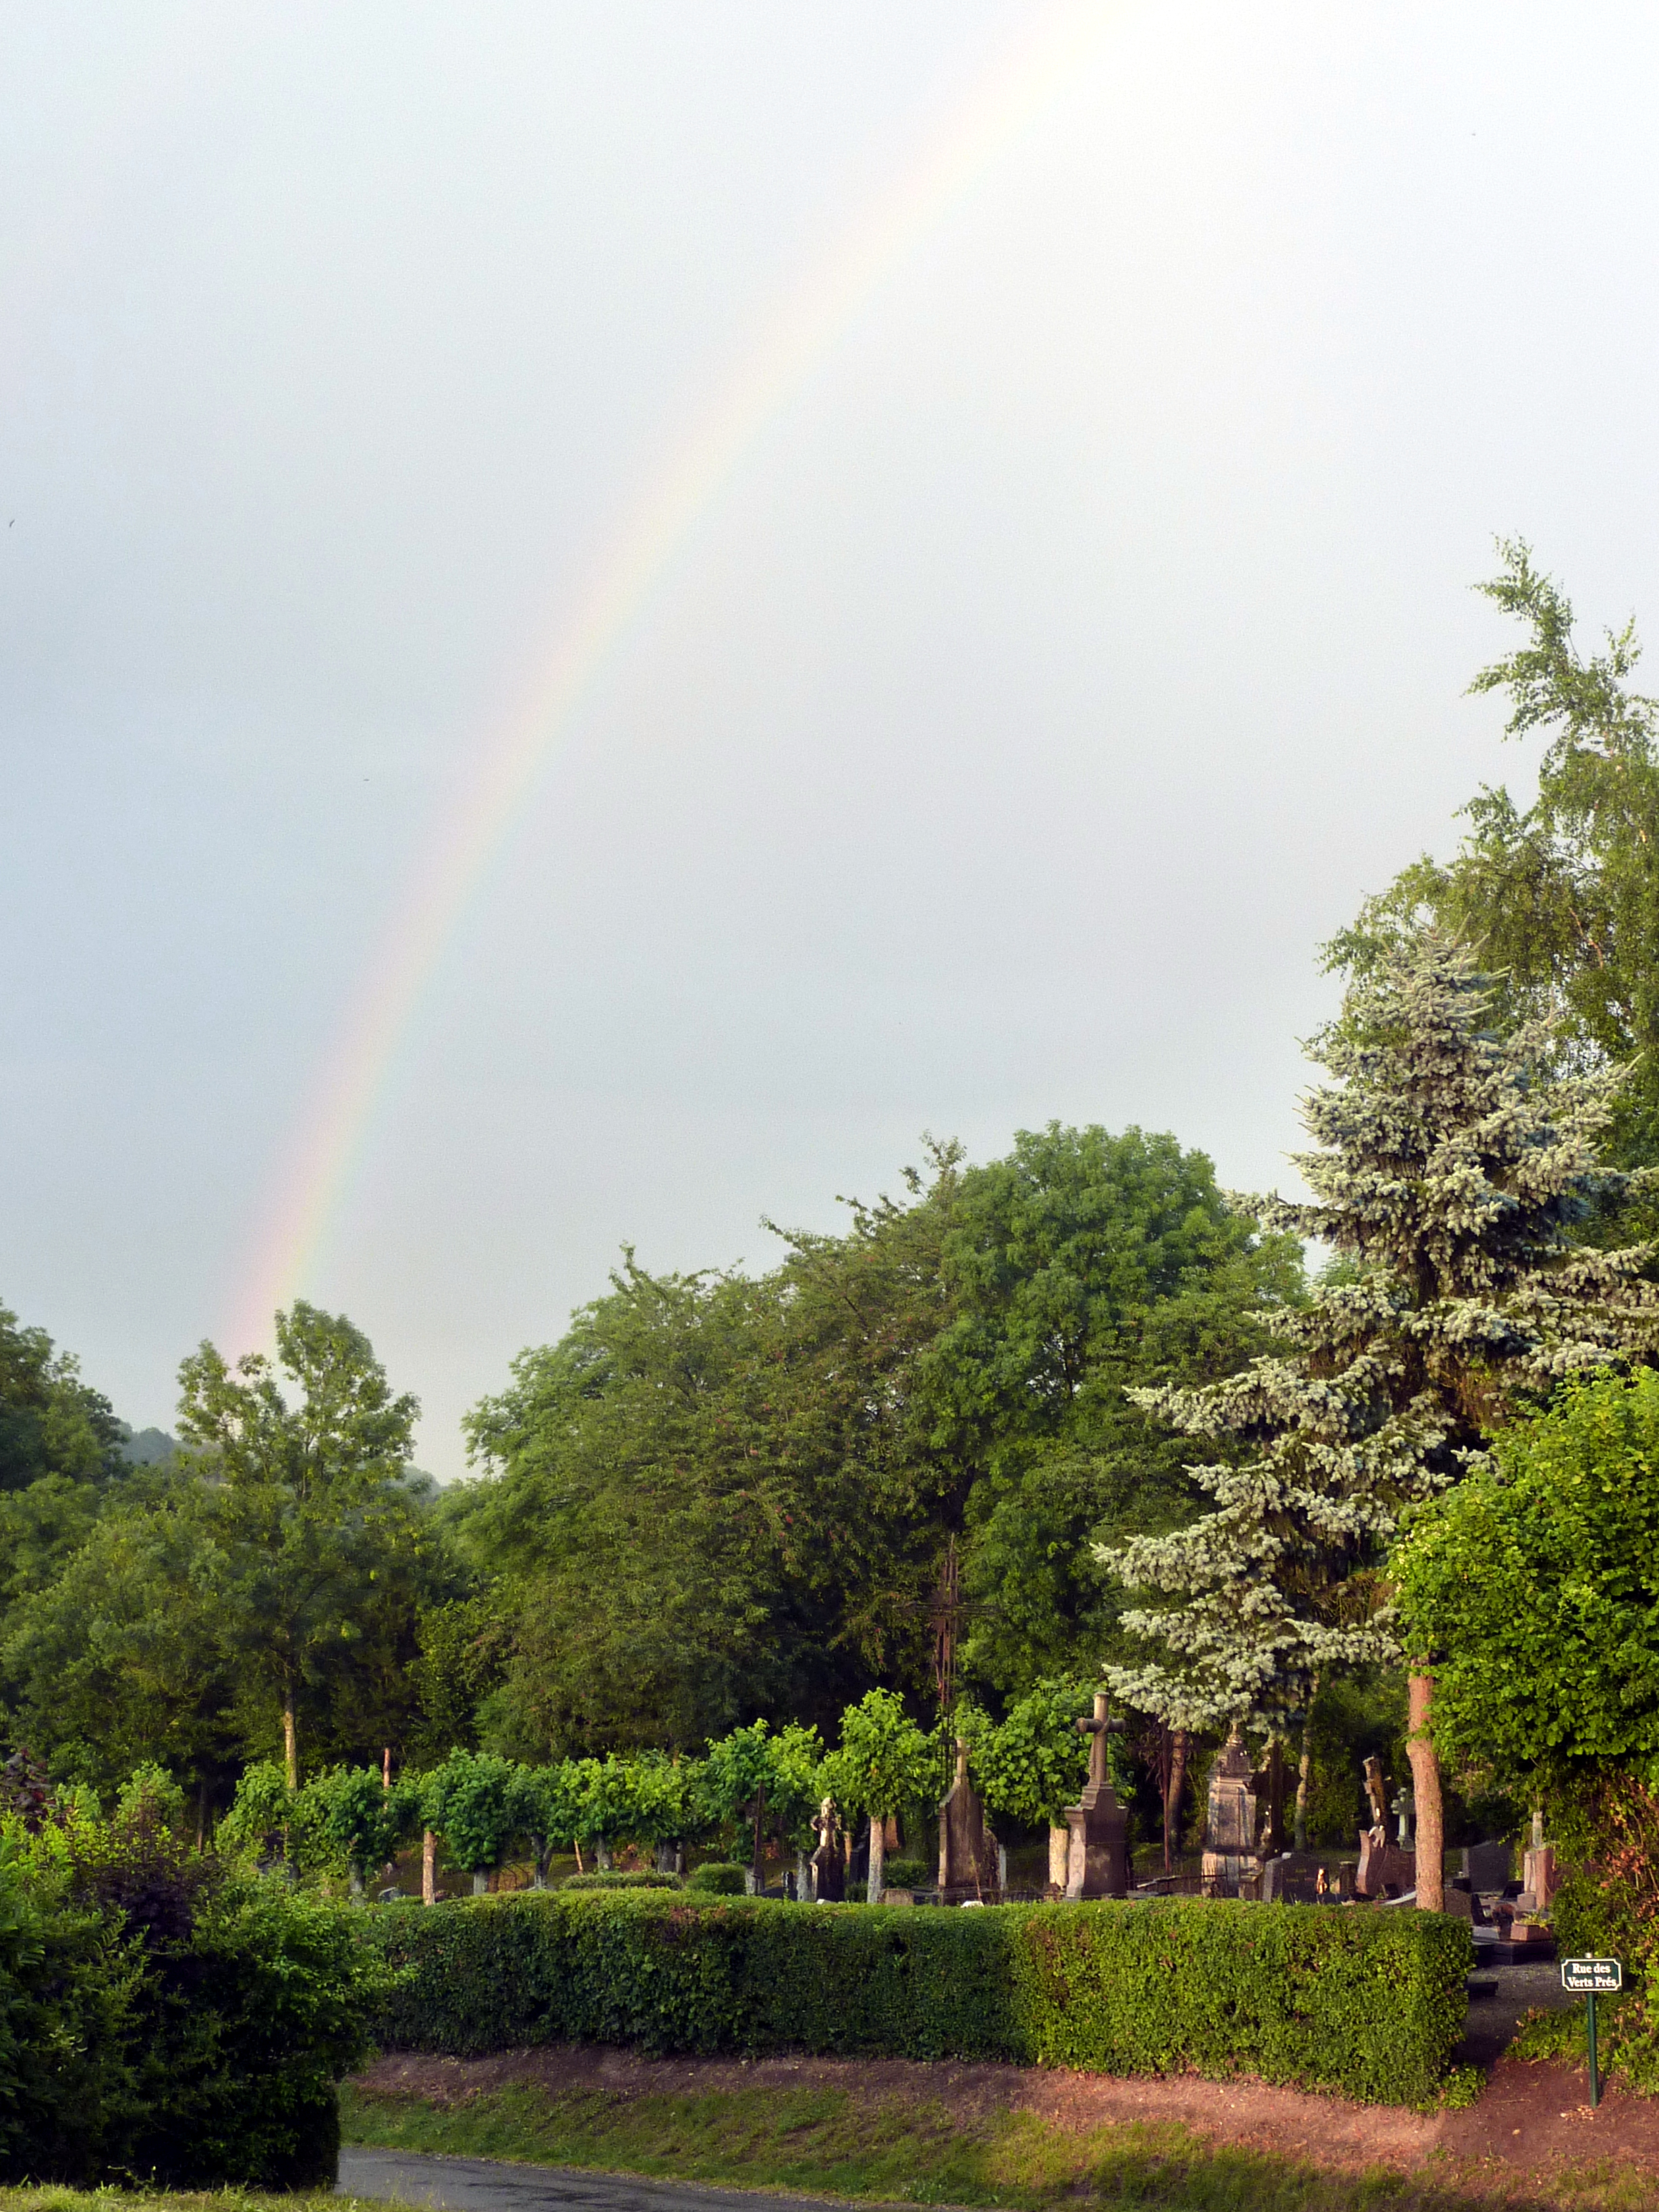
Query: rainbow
{"type": "Point", "coordinates": [323, 1157]}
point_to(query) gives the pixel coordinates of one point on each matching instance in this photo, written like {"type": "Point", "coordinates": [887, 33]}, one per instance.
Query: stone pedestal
{"type": "Point", "coordinates": [1230, 1860]}
{"type": "Point", "coordinates": [1097, 1854]}
{"type": "Point", "coordinates": [1097, 1861]}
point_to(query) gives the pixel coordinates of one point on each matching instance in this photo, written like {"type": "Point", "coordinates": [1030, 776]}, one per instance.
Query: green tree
{"type": "Point", "coordinates": [1034, 1763]}
{"type": "Point", "coordinates": [120, 1658]}
{"type": "Point", "coordinates": [1559, 899]}
{"type": "Point", "coordinates": [1077, 1268]}
{"type": "Point", "coordinates": [1533, 1590]}
{"type": "Point", "coordinates": [308, 1501]}
{"type": "Point", "coordinates": [1451, 1171]}
{"type": "Point", "coordinates": [475, 1802]}
{"type": "Point", "coordinates": [883, 1763]}
{"type": "Point", "coordinates": [357, 1820]}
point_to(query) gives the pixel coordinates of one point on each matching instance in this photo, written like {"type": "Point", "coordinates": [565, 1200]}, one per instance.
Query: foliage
{"type": "Point", "coordinates": [1533, 1588]}
{"type": "Point", "coordinates": [1369, 2002]}
{"type": "Point", "coordinates": [884, 1762]}
{"type": "Point", "coordinates": [1033, 1766]}
{"type": "Point", "coordinates": [52, 1424]}
{"type": "Point", "coordinates": [163, 2013]}
{"type": "Point", "coordinates": [618, 1878]}
{"type": "Point", "coordinates": [722, 1497]}
{"type": "Point", "coordinates": [305, 1499]}
{"type": "Point", "coordinates": [475, 1802]}
{"type": "Point", "coordinates": [1451, 1172]}
{"type": "Point", "coordinates": [1079, 1266]}
{"type": "Point", "coordinates": [1559, 899]}
{"type": "Point", "coordinates": [356, 1820]}
{"type": "Point", "coordinates": [718, 1878]}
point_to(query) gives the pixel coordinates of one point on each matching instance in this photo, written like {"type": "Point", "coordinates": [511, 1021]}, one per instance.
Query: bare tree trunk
{"type": "Point", "coordinates": [290, 1735]}
{"type": "Point", "coordinates": [759, 1855]}
{"type": "Point", "coordinates": [1304, 1769]}
{"type": "Point", "coordinates": [877, 1859]}
{"type": "Point", "coordinates": [1172, 1800]}
{"type": "Point", "coordinates": [428, 1867]}
{"type": "Point", "coordinates": [1425, 1788]}
{"type": "Point", "coordinates": [385, 1768]}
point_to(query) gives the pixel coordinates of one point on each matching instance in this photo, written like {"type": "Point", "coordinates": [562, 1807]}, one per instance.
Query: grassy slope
{"type": "Point", "coordinates": [827, 2142]}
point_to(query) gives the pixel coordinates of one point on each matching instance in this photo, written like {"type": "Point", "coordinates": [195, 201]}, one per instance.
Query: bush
{"type": "Point", "coordinates": [1369, 2002]}
{"type": "Point", "coordinates": [163, 2015]}
{"type": "Point", "coordinates": [716, 1878]}
{"type": "Point", "coordinates": [611, 1878]}
{"type": "Point", "coordinates": [907, 1874]}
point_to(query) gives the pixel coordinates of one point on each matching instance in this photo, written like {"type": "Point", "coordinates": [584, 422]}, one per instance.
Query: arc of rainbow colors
{"type": "Point", "coordinates": [1003, 100]}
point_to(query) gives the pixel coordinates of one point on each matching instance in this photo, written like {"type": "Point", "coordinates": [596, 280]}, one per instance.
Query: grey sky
{"type": "Point", "coordinates": [1070, 652]}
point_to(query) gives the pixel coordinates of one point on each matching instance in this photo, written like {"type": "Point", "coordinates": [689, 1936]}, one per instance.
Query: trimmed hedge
{"type": "Point", "coordinates": [613, 1878]}
{"type": "Point", "coordinates": [1370, 2002]}
{"type": "Point", "coordinates": [719, 1878]}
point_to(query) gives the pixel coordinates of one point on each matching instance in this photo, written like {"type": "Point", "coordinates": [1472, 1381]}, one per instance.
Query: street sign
{"type": "Point", "coordinates": [1590, 1979]}
{"type": "Point", "coordinates": [1592, 1976]}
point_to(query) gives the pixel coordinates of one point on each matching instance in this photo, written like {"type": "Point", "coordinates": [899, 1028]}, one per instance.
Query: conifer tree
{"type": "Point", "coordinates": [1451, 1168]}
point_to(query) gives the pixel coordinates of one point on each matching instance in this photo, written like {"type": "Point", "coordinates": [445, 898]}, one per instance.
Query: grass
{"type": "Point", "coordinates": [828, 2142]}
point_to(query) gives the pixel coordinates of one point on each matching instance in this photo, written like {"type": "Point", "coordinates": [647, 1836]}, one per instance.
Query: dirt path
{"type": "Point", "coordinates": [1533, 2118]}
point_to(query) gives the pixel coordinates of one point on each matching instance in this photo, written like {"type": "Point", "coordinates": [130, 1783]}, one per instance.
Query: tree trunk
{"type": "Point", "coordinates": [1304, 1769]}
{"type": "Point", "coordinates": [385, 1768]}
{"type": "Point", "coordinates": [1060, 1851]}
{"type": "Point", "coordinates": [290, 1736]}
{"type": "Point", "coordinates": [878, 1858]}
{"type": "Point", "coordinates": [428, 1867]}
{"type": "Point", "coordinates": [1171, 1804]}
{"type": "Point", "coordinates": [1425, 1788]}
{"type": "Point", "coordinates": [759, 1857]}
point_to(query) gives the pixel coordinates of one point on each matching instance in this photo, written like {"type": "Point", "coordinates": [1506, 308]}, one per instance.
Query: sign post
{"type": "Point", "coordinates": [1586, 1978]}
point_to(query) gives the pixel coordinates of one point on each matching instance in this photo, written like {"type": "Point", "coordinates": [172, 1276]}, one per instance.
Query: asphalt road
{"type": "Point", "coordinates": [484, 2185]}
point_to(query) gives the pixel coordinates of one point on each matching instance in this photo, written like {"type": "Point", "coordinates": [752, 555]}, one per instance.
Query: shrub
{"type": "Point", "coordinates": [613, 1878]}
{"type": "Point", "coordinates": [718, 1878]}
{"type": "Point", "coordinates": [907, 1873]}
{"type": "Point", "coordinates": [163, 2014]}
{"type": "Point", "coordinates": [1369, 2002]}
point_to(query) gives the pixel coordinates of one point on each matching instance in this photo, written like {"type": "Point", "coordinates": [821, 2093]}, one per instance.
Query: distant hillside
{"type": "Point", "coordinates": [149, 1447]}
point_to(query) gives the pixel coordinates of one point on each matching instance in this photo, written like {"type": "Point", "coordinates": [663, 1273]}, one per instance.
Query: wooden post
{"type": "Point", "coordinates": [1425, 1788]}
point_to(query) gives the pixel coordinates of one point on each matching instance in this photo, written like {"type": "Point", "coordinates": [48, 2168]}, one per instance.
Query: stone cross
{"type": "Point", "coordinates": [1098, 1730]}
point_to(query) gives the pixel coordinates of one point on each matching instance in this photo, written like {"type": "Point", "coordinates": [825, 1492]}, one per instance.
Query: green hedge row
{"type": "Point", "coordinates": [1370, 2002]}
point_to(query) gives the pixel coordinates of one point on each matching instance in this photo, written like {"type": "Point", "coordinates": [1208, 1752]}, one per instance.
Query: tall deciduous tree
{"type": "Point", "coordinates": [306, 1496]}
{"type": "Point", "coordinates": [1452, 1172]}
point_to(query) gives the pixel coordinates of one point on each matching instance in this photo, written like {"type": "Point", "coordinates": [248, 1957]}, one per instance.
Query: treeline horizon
{"type": "Point", "coordinates": [720, 1498]}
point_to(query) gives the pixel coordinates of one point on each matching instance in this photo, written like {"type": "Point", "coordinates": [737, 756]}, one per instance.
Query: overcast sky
{"type": "Point", "coordinates": [1077, 642]}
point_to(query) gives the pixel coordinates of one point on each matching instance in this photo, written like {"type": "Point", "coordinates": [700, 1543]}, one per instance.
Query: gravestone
{"type": "Point", "coordinates": [828, 1867]}
{"type": "Point", "coordinates": [967, 1849]}
{"type": "Point", "coordinates": [1487, 1867]}
{"type": "Point", "coordinates": [1097, 1861]}
{"type": "Point", "coordinates": [1540, 1878]}
{"type": "Point", "coordinates": [1293, 1878]}
{"type": "Point", "coordinates": [1385, 1870]}
{"type": "Point", "coordinates": [1230, 1859]}
{"type": "Point", "coordinates": [1463, 1903]}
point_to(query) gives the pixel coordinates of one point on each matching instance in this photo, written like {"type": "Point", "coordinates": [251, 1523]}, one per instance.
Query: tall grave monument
{"type": "Point", "coordinates": [1231, 1866]}
{"type": "Point", "coordinates": [1097, 1862]}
